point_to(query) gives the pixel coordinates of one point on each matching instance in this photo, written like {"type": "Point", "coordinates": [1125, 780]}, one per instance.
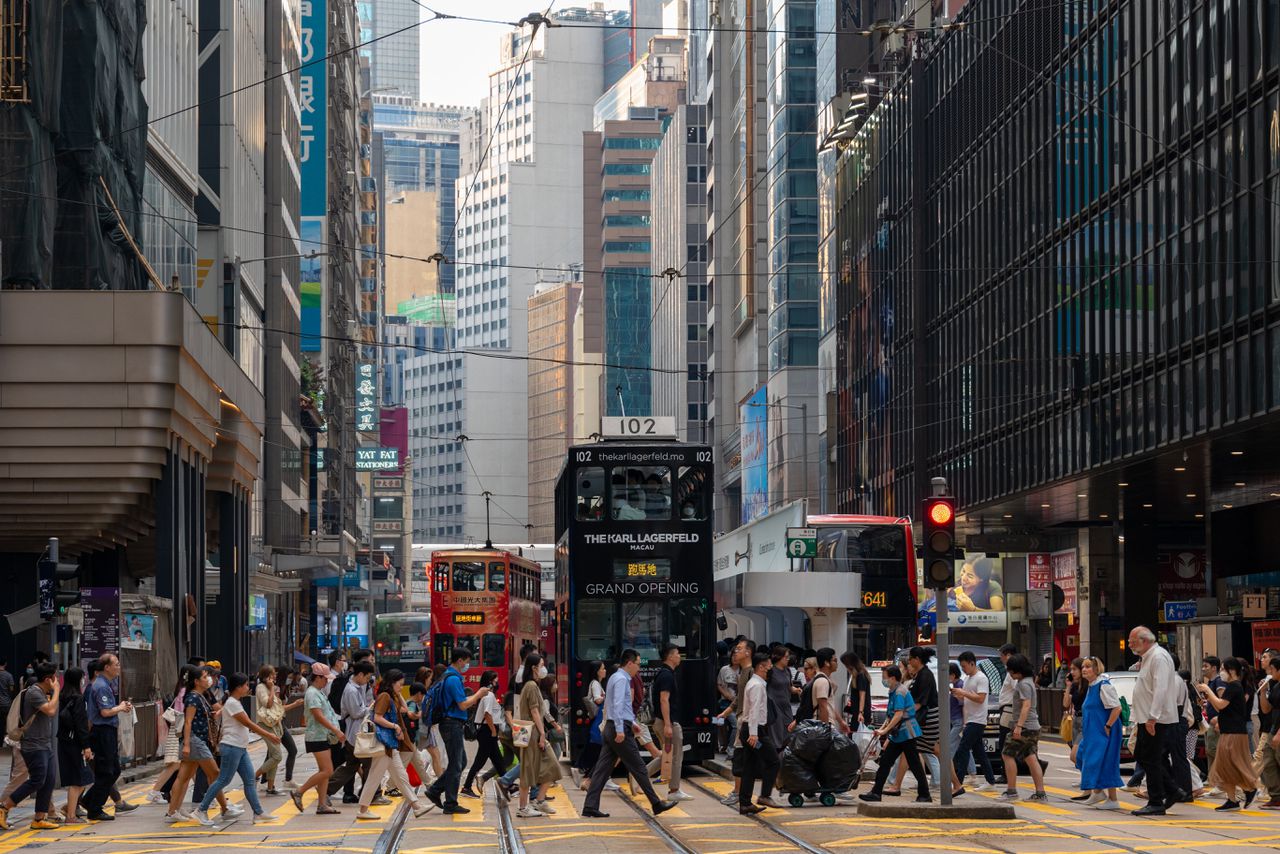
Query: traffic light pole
{"type": "Point", "coordinates": [939, 488]}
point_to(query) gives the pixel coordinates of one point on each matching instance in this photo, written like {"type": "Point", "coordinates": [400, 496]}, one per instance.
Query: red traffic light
{"type": "Point", "coordinates": [941, 513]}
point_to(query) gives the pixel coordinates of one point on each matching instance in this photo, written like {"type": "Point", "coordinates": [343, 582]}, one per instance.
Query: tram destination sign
{"type": "Point", "coordinates": [638, 427]}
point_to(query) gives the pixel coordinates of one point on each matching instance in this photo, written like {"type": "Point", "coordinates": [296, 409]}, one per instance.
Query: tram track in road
{"type": "Point", "coordinates": [659, 830]}
{"type": "Point", "coordinates": [509, 841]}
{"type": "Point", "coordinates": [800, 844]}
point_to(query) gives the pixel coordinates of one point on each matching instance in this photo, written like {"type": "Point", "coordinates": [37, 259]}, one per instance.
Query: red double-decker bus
{"type": "Point", "coordinates": [488, 601]}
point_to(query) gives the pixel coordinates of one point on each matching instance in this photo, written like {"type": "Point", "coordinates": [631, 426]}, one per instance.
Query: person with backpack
{"type": "Point", "coordinates": [355, 706]}
{"type": "Point", "coordinates": [37, 711]}
{"type": "Point", "coordinates": [447, 706]}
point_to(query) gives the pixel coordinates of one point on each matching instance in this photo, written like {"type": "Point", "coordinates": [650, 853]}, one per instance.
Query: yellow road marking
{"type": "Point", "coordinates": [637, 831]}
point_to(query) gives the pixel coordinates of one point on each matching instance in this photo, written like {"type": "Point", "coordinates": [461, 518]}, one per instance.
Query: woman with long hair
{"type": "Point", "coordinates": [1232, 767]}
{"type": "Point", "coordinates": [533, 772]}
{"type": "Point", "coordinates": [1098, 753]}
{"type": "Point", "coordinates": [236, 726]}
{"type": "Point", "coordinates": [859, 690]}
{"type": "Point", "coordinates": [593, 702]}
{"type": "Point", "coordinates": [196, 753]}
{"type": "Point", "coordinates": [290, 690]}
{"type": "Point", "coordinates": [427, 736]}
{"type": "Point", "coordinates": [389, 719]}
{"type": "Point", "coordinates": [74, 753]}
{"type": "Point", "coordinates": [321, 735]}
{"type": "Point", "coordinates": [172, 740]}
{"type": "Point", "coordinates": [488, 718]}
{"type": "Point", "coordinates": [269, 711]}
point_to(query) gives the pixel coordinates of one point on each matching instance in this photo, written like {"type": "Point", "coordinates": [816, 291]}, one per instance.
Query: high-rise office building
{"type": "Point", "coordinates": [552, 309]}
{"type": "Point", "coordinates": [395, 57]}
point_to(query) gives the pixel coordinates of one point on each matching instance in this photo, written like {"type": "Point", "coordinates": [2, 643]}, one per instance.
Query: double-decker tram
{"type": "Point", "coordinates": [488, 601]}
{"type": "Point", "coordinates": [402, 640]}
{"type": "Point", "coordinates": [633, 571]}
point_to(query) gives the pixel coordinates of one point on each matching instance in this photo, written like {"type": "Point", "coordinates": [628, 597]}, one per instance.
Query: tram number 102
{"type": "Point", "coordinates": [638, 426]}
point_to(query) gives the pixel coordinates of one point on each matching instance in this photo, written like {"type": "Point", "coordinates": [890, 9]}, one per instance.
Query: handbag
{"type": "Point", "coordinates": [1065, 729]}
{"type": "Point", "coordinates": [170, 716]}
{"type": "Point", "coordinates": [521, 732]}
{"type": "Point", "coordinates": [366, 744]}
{"type": "Point", "coordinates": [470, 729]}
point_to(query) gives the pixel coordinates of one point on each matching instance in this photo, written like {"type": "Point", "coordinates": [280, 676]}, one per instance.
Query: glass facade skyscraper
{"type": "Point", "coordinates": [792, 184]}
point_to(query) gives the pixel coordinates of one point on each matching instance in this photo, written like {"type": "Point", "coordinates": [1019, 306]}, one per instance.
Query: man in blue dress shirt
{"type": "Point", "coordinates": [618, 741]}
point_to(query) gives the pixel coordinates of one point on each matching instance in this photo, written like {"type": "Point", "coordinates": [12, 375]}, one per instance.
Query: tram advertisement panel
{"type": "Point", "coordinates": [637, 527]}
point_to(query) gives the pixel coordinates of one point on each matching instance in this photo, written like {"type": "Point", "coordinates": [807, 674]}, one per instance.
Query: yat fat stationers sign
{"type": "Point", "coordinates": [377, 459]}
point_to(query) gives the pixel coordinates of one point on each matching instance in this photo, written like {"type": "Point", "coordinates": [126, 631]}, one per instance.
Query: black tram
{"type": "Point", "coordinates": [633, 570]}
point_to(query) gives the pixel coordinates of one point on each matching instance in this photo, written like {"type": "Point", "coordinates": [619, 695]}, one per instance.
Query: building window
{"type": "Point", "coordinates": [627, 169]}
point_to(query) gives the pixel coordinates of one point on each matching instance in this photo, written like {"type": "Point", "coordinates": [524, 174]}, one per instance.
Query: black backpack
{"type": "Point", "coordinates": [807, 711]}
{"type": "Point", "coordinates": [335, 691]}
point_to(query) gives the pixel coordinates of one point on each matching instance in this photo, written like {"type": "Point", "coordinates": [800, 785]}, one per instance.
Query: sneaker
{"type": "Point", "coordinates": [265, 818]}
{"type": "Point", "coordinates": [420, 809]}
{"type": "Point", "coordinates": [1038, 797]}
{"type": "Point", "coordinates": [544, 808]}
{"type": "Point", "coordinates": [393, 793]}
{"type": "Point", "coordinates": [1105, 804]}
{"type": "Point", "coordinates": [202, 816]}
{"type": "Point", "coordinates": [125, 806]}
{"type": "Point", "coordinates": [846, 798]}
{"type": "Point", "coordinates": [730, 800]}
{"type": "Point", "coordinates": [1131, 789]}
{"type": "Point", "coordinates": [365, 815]}
{"type": "Point", "coordinates": [175, 817]}
{"type": "Point", "coordinates": [468, 792]}
{"type": "Point", "coordinates": [1227, 807]}
{"type": "Point", "coordinates": [455, 809]}
{"type": "Point", "coordinates": [576, 774]}
{"type": "Point", "coordinates": [380, 801]}
{"type": "Point", "coordinates": [154, 797]}
{"type": "Point", "coordinates": [233, 811]}
{"type": "Point", "coordinates": [986, 787]}
{"type": "Point", "coordinates": [679, 796]}
{"type": "Point", "coordinates": [1007, 795]}
{"type": "Point", "coordinates": [529, 812]}
{"type": "Point", "coordinates": [1095, 798]}
{"type": "Point", "coordinates": [614, 787]}
{"type": "Point", "coordinates": [44, 824]}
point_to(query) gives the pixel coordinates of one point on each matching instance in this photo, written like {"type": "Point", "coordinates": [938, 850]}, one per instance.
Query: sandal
{"type": "Point", "coordinates": [327, 811]}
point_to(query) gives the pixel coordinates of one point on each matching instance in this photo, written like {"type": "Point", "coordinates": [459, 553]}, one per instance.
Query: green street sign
{"type": "Point", "coordinates": [802, 542]}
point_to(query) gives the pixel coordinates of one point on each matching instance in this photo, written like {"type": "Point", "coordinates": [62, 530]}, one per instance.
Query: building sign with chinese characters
{"type": "Point", "coordinates": [377, 459]}
{"type": "Point", "coordinates": [366, 397]}
{"type": "Point", "coordinates": [388, 484]}
{"type": "Point", "coordinates": [388, 526]}
{"type": "Point", "coordinates": [312, 165]}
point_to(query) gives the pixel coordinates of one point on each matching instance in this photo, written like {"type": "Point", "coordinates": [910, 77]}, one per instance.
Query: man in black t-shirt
{"type": "Point", "coordinates": [1269, 705]}
{"type": "Point", "coordinates": [666, 721]}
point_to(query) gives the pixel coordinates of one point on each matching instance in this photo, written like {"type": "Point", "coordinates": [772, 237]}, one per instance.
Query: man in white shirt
{"type": "Point", "coordinates": [761, 753]}
{"type": "Point", "coordinates": [1155, 713]}
{"type": "Point", "coordinates": [974, 694]}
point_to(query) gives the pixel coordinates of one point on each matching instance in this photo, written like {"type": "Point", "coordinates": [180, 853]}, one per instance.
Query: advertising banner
{"type": "Point", "coordinates": [1180, 574]}
{"type": "Point", "coordinates": [257, 611]}
{"type": "Point", "coordinates": [755, 456]}
{"type": "Point", "coordinates": [1039, 572]}
{"type": "Point", "coordinates": [977, 600]}
{"type": "Point", "coordinates": [137, 631]}
{"type": "Point", "coordinates": [313, 92]}
{"type": "Point", "coordinates": [101, 631]}
{"type": "Point", "coordinates": [1064, 565]}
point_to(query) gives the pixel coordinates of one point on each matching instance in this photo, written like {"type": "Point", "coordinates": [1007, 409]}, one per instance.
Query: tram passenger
{"type": "Point", "coordinates": [657, 497]}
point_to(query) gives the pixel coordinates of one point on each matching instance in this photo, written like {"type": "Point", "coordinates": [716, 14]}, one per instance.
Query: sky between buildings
{"type": "Point", "coordinates": [457, 56]}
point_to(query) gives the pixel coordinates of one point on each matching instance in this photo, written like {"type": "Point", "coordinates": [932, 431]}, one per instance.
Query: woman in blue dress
{"type": "Point", "coordinates": [1098, 754]}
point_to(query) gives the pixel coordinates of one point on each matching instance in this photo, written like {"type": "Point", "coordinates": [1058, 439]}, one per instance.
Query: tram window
{"type": "Point", "coordinates": [684, 628]}
{"type": "Point", "coordinates": [471, 643]}
{"type": "Point", "coordinates": [691, 493]}
{"type": "Point", "coordinates": [441, 577]}
{"type": "Point", "coordinates": [597, 627]}
{"type": "Point", "coordinates": [590, 494]}
{"type": "Point", "coordinates": [641, 492]}
{"type": "Point", "coordinates": [497, 576]}
{"type": "Point", "coordinates": [642, 628]}
{"type": "Point", "coordinates": [494, 651]}
{"type": "Point", "coordinates": [468, 576]}
{"type": "Point", "coordinates": [443, 648]}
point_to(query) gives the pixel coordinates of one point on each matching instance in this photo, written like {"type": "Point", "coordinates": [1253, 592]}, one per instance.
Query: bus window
{"type": "Point", "coordinates": [443, 649]}
{"type": "Point", "coordinates": [597, 626]}
{"type": "Point", "coordinates": [494, 651]}
{"type": "Point", "coordinates": [590, 494]}
{"type": "Point", "coordinates": [471, 643]}
{"type": "Point", "coordinates": [441, 577]}
{"type": "Point", "coordinates": [497, 576]}
{"type": "Point", "coordinates": [642, 629]}
{"type": "Point", "coordinates": [684, 627]}
{"type": "Point", "coordinates": [468, 576]}
{"type": "Point", "coordinates": [691, 493]}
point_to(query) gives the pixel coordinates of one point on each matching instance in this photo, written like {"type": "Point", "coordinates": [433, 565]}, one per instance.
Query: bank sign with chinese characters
{"type": "Point", "coordinates": [366, 397]}
{"type": "Point", "coordinates": [312, 165]}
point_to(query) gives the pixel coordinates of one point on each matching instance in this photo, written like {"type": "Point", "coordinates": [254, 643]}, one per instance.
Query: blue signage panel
{"type": "Point", "coordinates": [754, 439]}
{"type": "Point", "coordinates": [1179, 612]}
{"type": "Point", "coordinates": [313, 100]}
{"type": "Point", "coordinates": [257, 611]}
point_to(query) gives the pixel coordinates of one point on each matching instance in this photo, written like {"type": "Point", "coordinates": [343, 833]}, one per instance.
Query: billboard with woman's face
{"type": "Point", "coordinates": [976, 600]}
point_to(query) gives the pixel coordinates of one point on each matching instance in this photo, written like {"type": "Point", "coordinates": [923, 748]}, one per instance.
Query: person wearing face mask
{"type": "Point", "coordinates": [444, 791]}
{"type": "Point", "coordinates": [488, 717]}
{"type": "Point", "coordinates": [357, 703]}
{"type": "Point", "coordinates": [537, 764]}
